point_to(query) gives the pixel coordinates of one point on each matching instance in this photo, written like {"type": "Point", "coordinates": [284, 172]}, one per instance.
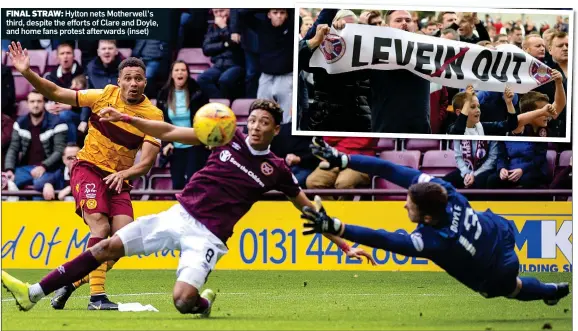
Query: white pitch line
{"type": "Point", "coordinates": [276, 295]}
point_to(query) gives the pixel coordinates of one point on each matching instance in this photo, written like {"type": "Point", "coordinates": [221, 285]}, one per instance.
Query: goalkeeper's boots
{"type": "Point", "coordinates": [562, 290]}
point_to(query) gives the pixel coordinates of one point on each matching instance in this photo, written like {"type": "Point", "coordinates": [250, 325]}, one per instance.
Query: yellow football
{"type": "Point", "coordinates": [215, 124]}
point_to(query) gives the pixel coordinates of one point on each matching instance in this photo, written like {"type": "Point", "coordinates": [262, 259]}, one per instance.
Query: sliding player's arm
{"type": "Point", "coordinates": [399, 243]}
{"type": "Point", "coordinates": [21, 61]}
{"type": "Point", "coordinates": [158, 129]}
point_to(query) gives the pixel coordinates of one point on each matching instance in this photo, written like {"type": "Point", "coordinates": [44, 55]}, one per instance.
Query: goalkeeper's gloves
{"type": "Point", "coordinates": [320, 222]}
{"type": "Point", "coordinates": [330, 157]}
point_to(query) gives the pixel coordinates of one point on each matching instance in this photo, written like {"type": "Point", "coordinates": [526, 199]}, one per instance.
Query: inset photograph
{"type": "Point", "coordinates": [390, 73]}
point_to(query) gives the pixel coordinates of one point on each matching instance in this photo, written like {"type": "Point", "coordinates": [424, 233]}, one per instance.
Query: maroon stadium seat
{"type": "Point", "coordinates": [438, 163]}
{"type": "Point", "coordinates": [241, 109]}
{"type": "Point", "coordinates": [422, 145]}
{"type": "Point", "coordinates": [226, 102]}
{"type": "Point", "coordinates": [159, 171]}
{"type": "Point", "coordinates": [23, 108]}
{"type": "Point", "coordinates": [139, 183]}
{"type": "Point", "coordinates": [53, 62]}
{"type": "Point", "coordinates": [551, 158]}
{"type": "Point", "coordinates": [125, 52]}
{"type": "Point", "coordinates": [161, 182]}
{"type": "Point", "coordinates": [386, 144]}
{"type": "Point", "coordinates": [21, 87]}
{"type": "Point", "coordinates": [405, 158]}
{"type": "Point", "coordinates": [196, 60]}
{"type": "Point", "coordinates": [565, 159]}
{"type": "Point", "coordinates": [38, 59]}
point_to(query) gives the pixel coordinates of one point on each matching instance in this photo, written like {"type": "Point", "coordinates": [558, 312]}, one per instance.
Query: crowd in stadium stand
{"type": "Point", "coordinates": [235, 55]}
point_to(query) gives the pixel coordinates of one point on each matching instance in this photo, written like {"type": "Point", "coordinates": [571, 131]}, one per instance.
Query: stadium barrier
{"type": "Point", "coordinates": [43, 235]}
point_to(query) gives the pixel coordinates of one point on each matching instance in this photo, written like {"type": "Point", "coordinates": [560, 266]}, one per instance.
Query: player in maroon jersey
{"type": "Point", "coordinates": [215, 199]}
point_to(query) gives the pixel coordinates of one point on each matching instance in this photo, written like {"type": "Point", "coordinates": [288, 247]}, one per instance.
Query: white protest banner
{"type": "Point", "coordinates": [447, 62]}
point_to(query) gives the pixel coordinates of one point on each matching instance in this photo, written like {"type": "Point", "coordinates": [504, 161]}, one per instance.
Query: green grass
{"type": "Point", "coordinates": [270, 300]}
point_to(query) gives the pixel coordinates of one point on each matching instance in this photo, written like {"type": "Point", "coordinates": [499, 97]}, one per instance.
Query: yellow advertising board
{"type": "Point", "coordinates": [37, 235]}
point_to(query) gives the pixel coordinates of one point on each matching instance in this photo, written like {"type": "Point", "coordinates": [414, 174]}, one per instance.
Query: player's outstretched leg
{"type": "Point", "coordinates": [26, 295]}
{"type": "Point", "coordinates": [531, 289]}
{"type": "Point", "coordinates": [62, 295]}
{"type": "Point", "coordinates": [188, 301]}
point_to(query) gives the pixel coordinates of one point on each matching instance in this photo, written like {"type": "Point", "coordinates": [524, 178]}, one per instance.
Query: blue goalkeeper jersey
{"type": "Point", "coordinates": [469, 245]}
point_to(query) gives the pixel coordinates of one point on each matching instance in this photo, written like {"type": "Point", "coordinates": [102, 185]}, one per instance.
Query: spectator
{"type": "Point", "coordinates": [8, 92]}
{"type": "Point", "coordinates": [103, 70]}
{"type": "Point", "coordinates": [534, 45]}
{"type": "Point", "coordinates": [547, 36]}
{"type": "Point", "coordinates": [468, 121]}
{"type": "Point", "coordinates": [466, 26]}
{"type": "Point", "coordinates": [179, 100]}
{"type": "Point", "coordinates": [306, 24]}
{"type": "Point", "coordinates": [557, 127]}
{"type": "Point", "coordinates": [61, 179]}
{"type": "Point", "coordinates": [498, 25]}
{"type": "Point", "coordinates": [343, 179]}
{"type": "Point", "coordinates": [399, 98]}
{"type": "Point", "coordinates": [529, 27]}
{"type": "Point", "coordinates": [558, 48]}
{"type": "Point", "coordinates": [561, 25]}
{"type": "Point", "coordinates": [276, 42]}
{"type": "Point", "coordinates": [500, 39]}
{"type": "Point", "coordinates": [476, 161]}
{"type": "Point", "coordinates": [223, 79]}
{"type": "Point", "coordinates": [156, 56]}
{"type": "Point", "coordinates": [40, 138]}
{"type": "Point", "coordinates": [451, 34]}
{"type": "Point", "coordinates": [515, 36]}
{"type": "Point", "coordinates": [446, 19]}
{"type": "Point", "coordinates": [491, 32]}
{"type": "Point", "coordinates": [537, 103]}
{"type": "Point", "coordinates": [7, 127]}
{"type": "Point", "coordinates": [371, 17]}
{"type": "Point", "coordinates": [431, 29]}
{"type": "Point", "coordinates": [248, 37]}
{"type": "Point", "coordinates": [67, 70]}
{"type": "Point", "coordinates": [296, 153]}
{"type": "Point", "coordinates": [340, 102]}
{"type": "Point", "coordinates": [520, 164]}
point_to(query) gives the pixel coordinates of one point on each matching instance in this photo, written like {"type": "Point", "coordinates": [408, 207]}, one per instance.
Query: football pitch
{"type": "Point", "coordinates": [293, 300]}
